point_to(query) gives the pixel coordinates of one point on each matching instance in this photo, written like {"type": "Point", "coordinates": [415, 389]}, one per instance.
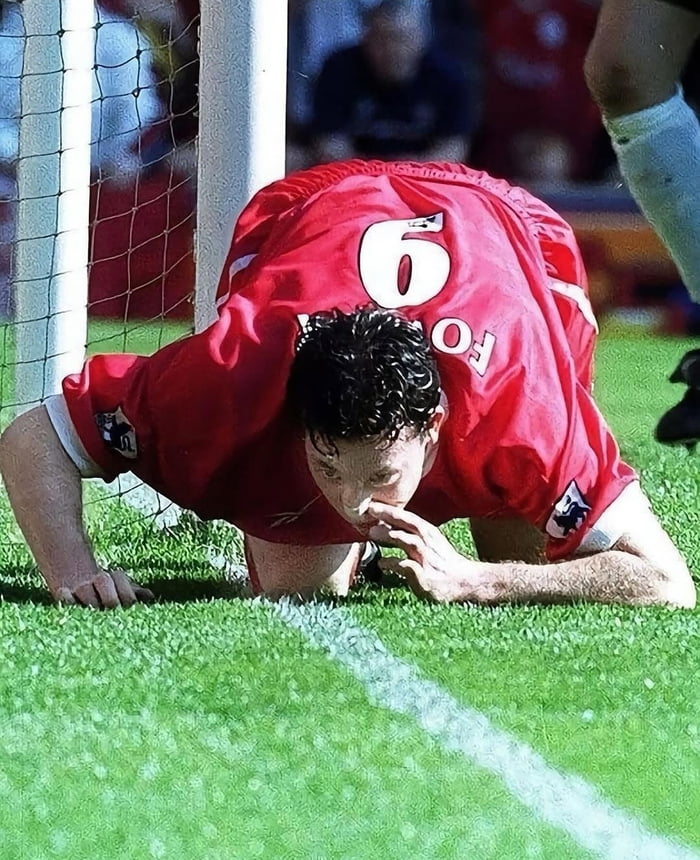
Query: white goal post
{"type": "Point", "coordinates": [241, 147]}
{"type": "Point", "coordinates": [53, 175]}
{"type": "Point", "coordinates": [242, 99]}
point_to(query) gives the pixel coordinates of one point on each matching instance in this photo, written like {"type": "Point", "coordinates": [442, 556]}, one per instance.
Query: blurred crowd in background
{"type": "Point", "coordinates": [498, 85]}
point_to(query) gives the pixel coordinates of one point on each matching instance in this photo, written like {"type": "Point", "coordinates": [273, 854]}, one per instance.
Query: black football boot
{"type": "Point", "coordinates": [681, 424]}
{"type": "Point", "coordinates": [369, 566]}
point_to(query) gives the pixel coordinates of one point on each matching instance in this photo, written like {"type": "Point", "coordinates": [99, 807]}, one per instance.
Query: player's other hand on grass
{"type": "Point", "coordinates": [105, 590]}
{"type": "Point", "coordinates": [432, 567]}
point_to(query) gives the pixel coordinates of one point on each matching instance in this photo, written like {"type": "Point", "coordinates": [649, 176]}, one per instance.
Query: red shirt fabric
{"type": "Point", "coordinates": [205, 420]}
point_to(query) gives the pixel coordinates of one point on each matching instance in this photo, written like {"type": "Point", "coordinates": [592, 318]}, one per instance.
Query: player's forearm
{"type": "Point", "coordinates": [607, 577]}
{"type": "Point", "coordinates": [44, 488]}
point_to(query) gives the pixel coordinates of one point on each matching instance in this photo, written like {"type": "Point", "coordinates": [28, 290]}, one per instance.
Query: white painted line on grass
{"type": "Point", "coordinates": [563, 800]}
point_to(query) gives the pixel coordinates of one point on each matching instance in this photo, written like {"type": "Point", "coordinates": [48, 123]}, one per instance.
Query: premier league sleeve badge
{"type": "Point", "coordinates": [118, 433]}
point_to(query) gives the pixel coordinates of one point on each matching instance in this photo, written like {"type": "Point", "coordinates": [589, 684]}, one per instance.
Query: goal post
{"type": "Point", "coordinates": [242, 98]}
{"type": "Point", "coordinates": [53, 176]}
{"type": "Point", "coordinates": [241, 147]}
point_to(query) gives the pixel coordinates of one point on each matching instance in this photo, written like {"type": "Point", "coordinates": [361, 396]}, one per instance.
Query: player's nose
{"type": "Point", "coordinates": [355, 501]}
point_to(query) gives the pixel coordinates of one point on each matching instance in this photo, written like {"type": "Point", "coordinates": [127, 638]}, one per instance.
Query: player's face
{"type": "Point", "coordinates": [368, 470]}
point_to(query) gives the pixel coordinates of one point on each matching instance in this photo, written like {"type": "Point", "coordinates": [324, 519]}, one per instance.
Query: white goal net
{"type": "Point", "coordinates": [100, 116]}
{"type": "Point", "coordinates": [132, 132]}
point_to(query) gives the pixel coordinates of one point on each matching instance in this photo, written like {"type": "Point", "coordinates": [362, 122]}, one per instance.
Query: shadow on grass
{"type": "Point", "coordinates": [186, 590]}
{"type": "Point", "coordinates": [22, 593]}
{"type": "Point", "coordinates": [22, 587]}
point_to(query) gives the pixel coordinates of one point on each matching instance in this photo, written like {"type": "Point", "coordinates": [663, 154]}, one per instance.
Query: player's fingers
{"type": "Point", "coordinates": [87, 595]}
{"type": "Point", "coordinates": [412, 544]}
{"type": "Point", "coordinates": [65, 596]}
{"type": "Point", "coordinates": [124, 588]}
{"type": "Point", "coordinates": [144, 595]}
{"type": "Point", "coordinates": [397, 517]}
{"type": "Point", "coordinates": [130, 592]}
{"type": "Point", "coordinates": [413, 580]}
{"type": "Point", "coordinates": [106, 590]}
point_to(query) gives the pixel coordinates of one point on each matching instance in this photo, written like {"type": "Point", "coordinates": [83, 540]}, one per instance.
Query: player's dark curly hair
{"type": "Point", "coordinates": [368, 373]}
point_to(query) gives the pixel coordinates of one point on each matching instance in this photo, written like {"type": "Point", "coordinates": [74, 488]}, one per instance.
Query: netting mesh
{"type": "Point", "coordinates": [11, 52]}
{"type": "Point", "coordinates": [143, 162]}
{"type": "Point", "coordinates": [142, 201]}
{"type": "Point", "coordinates": [142, 190]}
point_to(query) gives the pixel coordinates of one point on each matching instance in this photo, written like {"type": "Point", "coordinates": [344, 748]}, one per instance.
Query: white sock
{"type": "Point", "coordinates": [658, 150]}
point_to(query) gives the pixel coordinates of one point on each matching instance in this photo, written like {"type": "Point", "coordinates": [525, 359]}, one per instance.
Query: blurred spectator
{"type": "Point", "coordinates": [11, 51]}
{"type": "Point", "coordinates": [142, 220]}
{"type": "Point", "coordinates": [539, 123]}
{"type": "Point", "coordinates": [457, 31]}
{"type": "Point", "coordinates": [317, 28]}
{"type": "Point", "coordinates": [392, 95]}
{"type": "Point", "coordinates": [171, 26]}
{"type": "Point", "coordinates": [124, 92]}
{"type": "Point", "coordinates": [142, 233]}
{"type": "Point", "coordinates": [126, 97]}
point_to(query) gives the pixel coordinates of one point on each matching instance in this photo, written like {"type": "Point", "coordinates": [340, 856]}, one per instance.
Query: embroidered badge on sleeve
{"type": "Point", "coordinates": [117, 432]}
{"type": "Point", "coordinates": [569, 512]}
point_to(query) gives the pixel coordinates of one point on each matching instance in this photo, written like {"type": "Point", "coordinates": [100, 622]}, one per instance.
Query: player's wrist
{"type": "Point", "coordinates": [479, 582]}
{"type": "Point", "coordinates": [70, 574]}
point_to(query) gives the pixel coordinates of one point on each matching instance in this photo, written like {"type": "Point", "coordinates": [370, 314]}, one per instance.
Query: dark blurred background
{"type": "Point", "coordinates": [497, 85]}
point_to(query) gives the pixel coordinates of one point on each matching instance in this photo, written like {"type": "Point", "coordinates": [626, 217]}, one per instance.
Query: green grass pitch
{"type": "Point", "coordinates": [205, 727]}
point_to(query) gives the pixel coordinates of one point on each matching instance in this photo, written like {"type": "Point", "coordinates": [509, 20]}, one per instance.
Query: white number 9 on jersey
{"type": "Point", "coordinates": [399, 272]}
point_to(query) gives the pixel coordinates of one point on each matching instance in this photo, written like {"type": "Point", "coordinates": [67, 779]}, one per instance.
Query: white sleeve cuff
{"type": "Point", "coordinates": [65, 430]}
{"type": "Point", "coordinates": [615, 520]}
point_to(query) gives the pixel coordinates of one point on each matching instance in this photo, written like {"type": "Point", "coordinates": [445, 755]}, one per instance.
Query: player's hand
{"type": "Point", "coordinates": [104, 590]}
{"type": "Point", "coordinates": [432, 568]}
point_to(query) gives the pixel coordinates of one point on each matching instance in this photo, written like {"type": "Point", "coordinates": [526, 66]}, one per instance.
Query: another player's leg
{"type": "Point", "coordinates": [633, 66]}
{"type": "Point", "coordinates": [278, 569]}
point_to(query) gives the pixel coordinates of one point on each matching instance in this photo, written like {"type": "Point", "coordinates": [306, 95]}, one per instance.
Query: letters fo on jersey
{"type": "Point", "coordinates": [399, 272]}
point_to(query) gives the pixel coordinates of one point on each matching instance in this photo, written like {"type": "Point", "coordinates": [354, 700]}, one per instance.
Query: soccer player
{"type": "Point", "coordinates": [397, 345]}
{"type": "Point", "coordinates": [633, 68]}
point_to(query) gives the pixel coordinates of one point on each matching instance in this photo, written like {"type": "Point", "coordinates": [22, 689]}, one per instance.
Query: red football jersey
{"type": "Point", "coordinates": [497, 284]}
